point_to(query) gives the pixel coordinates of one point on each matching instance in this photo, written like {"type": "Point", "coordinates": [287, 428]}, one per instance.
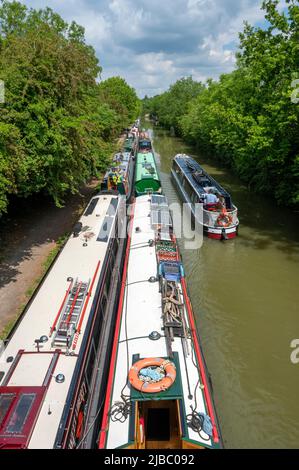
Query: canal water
{"type": "Point", "coordinates": [245, 294]}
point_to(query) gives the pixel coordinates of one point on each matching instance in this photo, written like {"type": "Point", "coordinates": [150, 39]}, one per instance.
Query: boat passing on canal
{"type": "Point", "coordinates": [63, 340]}
{"type": "Point", "coordinates": [158, 392]}
{"type": "Point", "coordinates": [220, 216]}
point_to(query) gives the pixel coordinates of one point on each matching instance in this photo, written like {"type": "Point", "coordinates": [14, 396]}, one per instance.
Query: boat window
{"type": "Point", "coordinates": [19, 417]}
{"type": "Point", "coordinates": [105, 230]}
{"type": "Point", "coordinates": [194, 198]}
{"type": "Point", "coordinates": [103, 306]}
{"type": "Point", "coordinates": [188, 188]}
{"type": "Point", "coordinates": [90, 364]}
{"type": "Point", "coordinates": [5, 402]}
{"type": "Point", "coordinates": [91, 207]}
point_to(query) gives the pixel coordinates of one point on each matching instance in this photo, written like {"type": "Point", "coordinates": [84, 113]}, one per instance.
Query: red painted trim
{"type": "Point", "coordinates": [86, 303]}
{"type": "Point", "coordinates": [83, 363]}
{"type": "Point", "coordinates": [60, 309]}
{"type": "Point", "coordinates": [13, 367]}
{"type": "Point", "coordinates": [103, 432]}
{"type": "Point", "coordinates": [200, 362]}
{"type": "Point", "coordinates": [21, 440]}
{"type": "Point", "coordinates": [214, 236]}
{"type": "Point", "coordinates": [218, 236]}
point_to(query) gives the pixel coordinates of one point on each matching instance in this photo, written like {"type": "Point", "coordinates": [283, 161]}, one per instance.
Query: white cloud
{"type": "Point", "coordinates": [152, 43]}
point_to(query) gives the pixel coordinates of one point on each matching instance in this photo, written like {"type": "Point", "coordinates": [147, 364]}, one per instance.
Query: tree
{"type": "Point", "coordinates": [247, 119]}
{"type": "Point", "coordinates": [173, 104]}
{"type": "Point", "coordinates": [56, 129]}
{"type": "Point", "coordinates": [121, 98]}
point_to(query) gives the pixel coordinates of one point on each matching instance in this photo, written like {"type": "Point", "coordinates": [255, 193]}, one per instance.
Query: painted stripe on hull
{"type": "Point", "coordinates": [105, 420]}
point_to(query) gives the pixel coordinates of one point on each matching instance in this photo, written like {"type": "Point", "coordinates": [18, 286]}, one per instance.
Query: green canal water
{"type": "Point", "coordinates": [245, 293]}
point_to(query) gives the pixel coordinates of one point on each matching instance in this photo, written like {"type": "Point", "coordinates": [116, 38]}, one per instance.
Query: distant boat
{"type": "Point", "coordinates": [220, 219]}
{"type": "Point", "coordinates": [119, 176]}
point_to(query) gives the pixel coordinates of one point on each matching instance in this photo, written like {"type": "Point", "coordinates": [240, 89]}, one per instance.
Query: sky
{"type": "Point", "coordinates": [153, 43]}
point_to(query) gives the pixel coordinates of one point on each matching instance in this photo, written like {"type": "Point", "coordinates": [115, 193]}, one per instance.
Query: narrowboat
{"type": "Point", "coordinates": [158, 392]}
{"type": "Point", "coordinates": [195, 186]}
{"type": "Point", "coordinates": [144, 143]}
{"type": "Point", "coordinates": [147, 178]}
{"type": "Point", "coordinates": [129, 144]}
{"type": "Point", "coordinates": [60, 348]}
{"type": "Point", "coordinates": [120, 176]}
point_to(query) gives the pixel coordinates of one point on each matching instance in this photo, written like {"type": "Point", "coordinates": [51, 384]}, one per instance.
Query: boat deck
{"type": "Point", "coordinates": [141, 315]}
{"type": "Point", "coordinates": [26, 363]}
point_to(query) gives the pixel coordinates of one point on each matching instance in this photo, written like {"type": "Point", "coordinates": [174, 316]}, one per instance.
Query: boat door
{"type": "Point", "coordinates": [158, 425]}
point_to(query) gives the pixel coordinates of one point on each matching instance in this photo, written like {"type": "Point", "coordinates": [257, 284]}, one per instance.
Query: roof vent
{"type": "Point", "coordinates": [60, 378]}
{"type": "Point", "coordinates": [154, 335]}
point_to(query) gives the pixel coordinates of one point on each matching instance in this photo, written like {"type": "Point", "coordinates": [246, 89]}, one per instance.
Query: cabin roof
{"type": "Point", "coordinates": [189, 167]}
{"type": "Point", "coordinates": [26, 364]}
{"type": "Point", "coordinates": [146, 167]}
{"type": "Point", "coordinates": [141, 315]}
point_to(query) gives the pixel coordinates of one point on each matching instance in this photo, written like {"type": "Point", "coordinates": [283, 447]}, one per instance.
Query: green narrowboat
{"type": "Point", "coordinates": [147, 179]}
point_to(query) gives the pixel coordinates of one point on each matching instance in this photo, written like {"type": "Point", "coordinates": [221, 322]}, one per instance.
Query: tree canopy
{"type": "Point", "coordinates": [57, 123]}
{"type": "Point", "coordinates": [249, 119]}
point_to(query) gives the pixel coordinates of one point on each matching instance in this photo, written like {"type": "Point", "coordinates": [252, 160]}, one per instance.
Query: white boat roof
{"type": "Point", "coordinates": [141, 315]}
{"type": "Point", "coordinates": [81, 258]}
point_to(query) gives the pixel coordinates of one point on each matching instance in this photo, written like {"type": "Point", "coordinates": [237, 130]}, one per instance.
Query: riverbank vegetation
{"type": "Point", "coordinates": [249, 119]}
{"type": "Point", "coordinates": [57, 124]}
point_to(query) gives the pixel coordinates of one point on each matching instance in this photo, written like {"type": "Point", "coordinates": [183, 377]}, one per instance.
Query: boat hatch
{"type": "Point", "coordinates": [171, 271]}
{"type": "Point", "coordinates": [19, 409]}
{"type": "Point", "coordinates": [161, 217]}
{"type": "Point", "coordinates": [158, 418]}
{"type": "Point", "coordinates": [158, 425]}
{"type": "Point", "coordinates": [157, 201]}
{"type": "Point", "coordinates": [172, 393]}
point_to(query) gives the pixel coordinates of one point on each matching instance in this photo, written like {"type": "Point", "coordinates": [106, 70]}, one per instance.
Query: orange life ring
{"type": "Point", "coordinates": [155, 387]}
{"type": "Point", "coordinates": [224, 220]}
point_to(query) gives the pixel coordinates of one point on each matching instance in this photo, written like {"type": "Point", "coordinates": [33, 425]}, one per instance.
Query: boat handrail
{"type": "Point", "coordinates": [211, 216]}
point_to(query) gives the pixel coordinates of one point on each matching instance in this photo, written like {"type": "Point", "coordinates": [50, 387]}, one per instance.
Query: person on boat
{"type": "Point", "coordinates": [119, 178]}
{"type": "Point", "coordinates": [210, 198]}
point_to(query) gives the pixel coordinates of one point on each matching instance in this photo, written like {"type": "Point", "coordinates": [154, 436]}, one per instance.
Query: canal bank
{"type": "Point", "coordinates": [245, 297]}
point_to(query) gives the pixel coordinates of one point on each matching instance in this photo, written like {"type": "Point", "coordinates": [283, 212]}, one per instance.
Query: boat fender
{"type": "Point", "coordinates": [224, 219]}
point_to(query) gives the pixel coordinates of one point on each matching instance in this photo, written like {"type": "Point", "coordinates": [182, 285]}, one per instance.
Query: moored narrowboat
{"type": "Point", "coordinates": [60, 348]}
{"type": "Point", "coordinates": [158, 392]}
{"type": "Point", "coordinates": [120, 176]}
{"type": "Point", "coordinates": [147, 179]}
{"type": "Point", "coordinates": [195, 186]}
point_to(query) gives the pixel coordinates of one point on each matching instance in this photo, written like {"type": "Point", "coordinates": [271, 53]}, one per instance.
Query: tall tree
{"type": "Point", "coordinates": [56, 128]}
